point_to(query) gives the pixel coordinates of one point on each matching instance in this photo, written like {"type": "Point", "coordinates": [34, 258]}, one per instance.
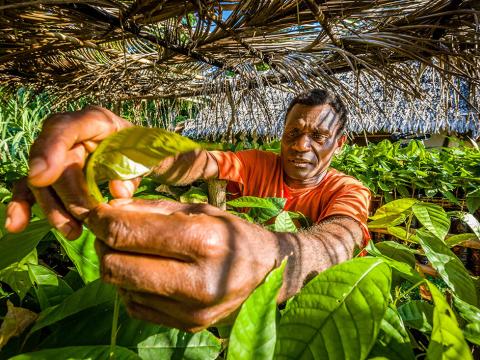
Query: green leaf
{"type": "Point", "coordinates": [460, 238]}
{"type": "Point", "coordinates": [405, 270]}
{"type": "Point", "coordinates": [49, 287]}
{"type": "Point", "coordinates": [82, 253]}
{"type": "Point", "coordinates": [450, 197]}
{"type": "Point", "coordinates": [194, 195]}
{"type": "Point", "coordinates": [393, 208]}
{"type": "Point", "coordinates": [153, 342]}
{"type": "Point", "coordinates": [473, 201]}
{"type": "Point", "coordinates": [254, 332]}
{"type": "Point", "coordinates": [472, 333]}
{"type": "Point", "coordinates": [256, 202]}
{"type": "Point", "coordinates": [79, 353]}
{"type": "Point", "coordinates": [16, 275]}
{"type": "Point", "coordinates": [449, 267]}
{"type": "Point", "coordinates": [14, 247]}
{"type": "Point", "coordinates": [337, 315]}
{"type": "Point", "coordinates": [393, 341]}
{"type": "Point", "coordinates": [417, 314]}
{"type": "Point", "coordinates": [397, 251]}
{"type": "Point", "coordinates": [284, 223]}
{"type": "Point", "coordinates": [91, 295]}
{"type": "Point", "coordinates": [470, 313]}
{"type": "Point", "coordinates": [447, 341]}
{"type": "Point", "coordinates": [387, 221]}
{"type": "Point", "coordinates": [433, 217]}
{"type": "Point", "coordinates": [472, 222]}
{"type": "Point", "coordinates": [131, 153]}
{"type": "Point", "coordinates": [401, 233]}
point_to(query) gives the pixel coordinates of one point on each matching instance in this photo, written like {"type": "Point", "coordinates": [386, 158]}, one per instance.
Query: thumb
{"type": "Point", "coordinates": [123, 189]}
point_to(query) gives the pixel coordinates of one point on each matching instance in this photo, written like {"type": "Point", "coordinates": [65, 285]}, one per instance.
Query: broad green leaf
{"type": "Point", "coordinates": [393, 208]}
{"type": "Point", "coordinates": [79, 353]}
{"type": "Point", "coordinates": [450, 197]}
{"type": "Point", "coordinates": [16, 275]}
{"type": "Point", "coordinates": [393, 341]}
{"type": "Point", "coordinates": [460, 238]}
{"type": "Point", "coordinates": [405, 270]}
{"type": "Point", "coordinates": [417, 314]}
{"type": "Point", "coordinates": [337, 315]}
{"type": "Point", "coordinates": [82, 253]}
{"type": "Point", "coordinates": [433, 217]}
{"type": "Point", "coordinates": [14, 247]}
{"type": "Point", "coordinates": [153, 342]}
{"type": "Point", "coordinates": [397, 252]}
{"type": "Point", "coordinates": [284, 223]}
{"type": "Point", "coordinates": [387, 221]}
{"type": "Point", "coordinates": [449, 267]}
{"type": "Point", "coordinates": [254, 332]}
{"type": "Point", "coordinates": [131, 153]}
{"type": "Point", "coordinates": [262, 215]}
{"type": "Point", "coordinates": [91, 295]}
{"type": "Point", "coordinates": [471, 314]}
{"type": "Point", "coordinates": [447, 341]}
{"type": "Point", "coordinates": [49, 287]}
{"type": "Point", "coordinates": [255, 202]}
{"type": "Point", "coordinates": [473, 201]}
{"type": "Point", "coordinates": [472, 333]}
{"type": "Point", "coordinates": [473, 223]}
{"type": "Point", "coordinates": [402, 233]}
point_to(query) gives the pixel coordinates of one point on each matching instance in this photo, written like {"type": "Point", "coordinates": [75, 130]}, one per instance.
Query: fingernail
{"type": "Point", "coordinates": [65, 229]}
{"type": "Point", "coordinates": [130, 188]}
{"type": "Point", "coordinates": [37, 166]}
{"type": "Point", "coordinates": [8, 221]}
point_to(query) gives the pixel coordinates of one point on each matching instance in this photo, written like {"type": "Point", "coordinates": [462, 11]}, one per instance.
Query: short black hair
{"type": "Point", "coordinates": [317, 96]}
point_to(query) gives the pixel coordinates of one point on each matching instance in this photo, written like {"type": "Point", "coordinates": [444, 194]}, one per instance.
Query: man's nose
{"type": "Point", "coordinates": [302, 143]}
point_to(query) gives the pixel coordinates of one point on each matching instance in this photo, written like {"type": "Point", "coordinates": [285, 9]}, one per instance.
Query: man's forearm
{"type": "Point", "coordinates": [315, 250]}
{"type": "Point", "coordinates": [186, 168]}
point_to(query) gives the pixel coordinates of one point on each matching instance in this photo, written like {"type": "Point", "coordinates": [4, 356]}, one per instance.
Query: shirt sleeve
{"type": "Point", "coordinates": [352, 201]}
{"type": "Point", "coordinates": [234, 166]}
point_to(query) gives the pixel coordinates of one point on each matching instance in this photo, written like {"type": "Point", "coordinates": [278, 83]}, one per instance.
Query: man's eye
{"type": "Point", "coordinates": [319, 137]}
{"type": "Point", "coordinates": [293, 132]}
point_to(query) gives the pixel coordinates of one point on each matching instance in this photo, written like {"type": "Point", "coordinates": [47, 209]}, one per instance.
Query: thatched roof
{"type": "Point", "coordinates": [262, 112]}
{"type": "Point", "coordinates": [128, 49]}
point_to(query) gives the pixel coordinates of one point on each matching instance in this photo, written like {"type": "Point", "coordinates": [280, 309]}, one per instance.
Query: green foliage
{"type": "Point", "coordinates": [338, 314]}
{"type": "Point", "coordinates": [447, 341]}
{"type": "Point", "coordinates": [79, 352]}
{"type": "Point", "coordinates": [392, 170]}
{"type": "Point", "coordinates": [254, 333]}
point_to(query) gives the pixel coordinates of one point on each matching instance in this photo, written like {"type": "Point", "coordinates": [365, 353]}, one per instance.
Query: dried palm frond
{"type": "Point", "coordinates": [133, 49]}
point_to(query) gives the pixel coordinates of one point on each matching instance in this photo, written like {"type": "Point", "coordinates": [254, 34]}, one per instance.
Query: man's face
{"type": "Point", "coordinates": [308, 143]}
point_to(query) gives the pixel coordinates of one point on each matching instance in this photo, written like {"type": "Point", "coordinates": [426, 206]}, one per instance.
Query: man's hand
{"type": "Point", "coordinates": [181, 265]}
{"type": "Point", "coordinates": [56, 179]}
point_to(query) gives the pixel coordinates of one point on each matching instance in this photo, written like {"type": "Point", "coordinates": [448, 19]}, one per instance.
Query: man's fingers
{"type": "Point", "coordinates": [60, 134]}
{"type": "Point", "coordinates": [147, 232]}
{"type": "Point", "coordinates": [18, 210]}
{"type": "Point", "coordinates": [189, 316]}
{"type": "Point", "coordinates": [72, 190]}
{"type": "Point", "coordinates": [56, 214]}
{"type": "Point", "coordinates": [123, 189]}
{"type": "Point", "coordinates": [150, 274]}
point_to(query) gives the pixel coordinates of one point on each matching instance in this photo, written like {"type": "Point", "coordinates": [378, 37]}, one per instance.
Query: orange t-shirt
{"type": "Point", "coordinates": [260, 173]}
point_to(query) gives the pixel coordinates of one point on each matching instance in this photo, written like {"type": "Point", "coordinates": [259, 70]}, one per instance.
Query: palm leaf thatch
{"type": "Point", "coordinates": [221, 50]}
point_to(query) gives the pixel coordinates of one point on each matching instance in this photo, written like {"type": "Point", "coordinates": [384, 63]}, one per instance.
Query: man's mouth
{"type": "Point", "coordinates": [299, 162]}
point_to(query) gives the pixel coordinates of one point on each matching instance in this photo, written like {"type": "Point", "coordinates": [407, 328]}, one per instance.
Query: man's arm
{"type": "Point", "coordinates": [184, 169]}
{"type": "Point", "coordinates": [192, 265]}
{"type": "Point", "coordinates": [314, 250]}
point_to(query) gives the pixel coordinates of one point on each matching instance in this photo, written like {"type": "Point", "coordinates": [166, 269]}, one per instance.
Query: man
{"type": "Point", "coordinates": [191, 266]}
